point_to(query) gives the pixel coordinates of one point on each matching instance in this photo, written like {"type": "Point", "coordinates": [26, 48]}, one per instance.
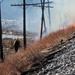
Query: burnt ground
{"type": "Point", "coordinates": [61, 62]}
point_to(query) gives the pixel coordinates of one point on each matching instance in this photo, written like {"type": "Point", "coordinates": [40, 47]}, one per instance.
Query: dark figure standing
{"type": "Point", "coordinates": [16, 44]}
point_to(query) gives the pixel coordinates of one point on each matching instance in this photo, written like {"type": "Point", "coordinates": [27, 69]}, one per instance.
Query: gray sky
{"type": "Point", "coordinates": [62, 14]}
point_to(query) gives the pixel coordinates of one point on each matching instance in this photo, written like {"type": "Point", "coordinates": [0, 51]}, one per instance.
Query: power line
{"type": "Point", "coordinates": [30, 4]}
{"type": "Point", "coordinates": [43, 17]}
{"type": "Point", "coordinates": [42, 5]}
{"type": "Point", "coordinates": [24, 20]}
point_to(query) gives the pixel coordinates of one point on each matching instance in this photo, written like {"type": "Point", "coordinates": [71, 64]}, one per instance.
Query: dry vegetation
{"type": "Point", "coordinates": [24, 59]}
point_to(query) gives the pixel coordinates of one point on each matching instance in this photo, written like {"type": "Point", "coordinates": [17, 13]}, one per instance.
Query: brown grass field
{"type": "Point", "coordinates": [21, 61]}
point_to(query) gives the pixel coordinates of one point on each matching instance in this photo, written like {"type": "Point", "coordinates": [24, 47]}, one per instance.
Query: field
{"type": "Point", "coordinates": [21, 61]}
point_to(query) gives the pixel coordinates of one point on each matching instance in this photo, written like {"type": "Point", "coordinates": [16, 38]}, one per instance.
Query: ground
{"type": "Point", "coordinates": [24, 59]}
{"type": "Point", "coordinates": [8, 43]}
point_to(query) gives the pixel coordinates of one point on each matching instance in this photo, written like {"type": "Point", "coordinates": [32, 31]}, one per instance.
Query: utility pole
{"type": "Point", "coordinates": [42, 22]}
{"type": "Point", "coordinates": [43, 18]}
{"type": "Point", "coordinates": [49, 15]}
{"type": "Point", "coordinates": [1, 45]}
{"type": "Point", "coordinates": [24, 15]}
{"type": "Point", "coordinates": [24, 22]}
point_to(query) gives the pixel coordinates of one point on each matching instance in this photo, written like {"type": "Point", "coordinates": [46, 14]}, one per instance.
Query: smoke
{"type": "Point", "coordinates": [37, 37]}
{"type": "Point", "coordinates": [33, 15]}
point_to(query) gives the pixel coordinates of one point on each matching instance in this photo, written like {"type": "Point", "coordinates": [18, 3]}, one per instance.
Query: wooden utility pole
{"type": "Point", "coordinates": [1, 45]}
{"type": "Point", "coordinates": [49, 15]}
{"type": "Point", "coordinates": [43, 17]}
{"type": "Point", "coordinates": [42, 21]}
{"type": "Point", "coordinates": [24, 22]}
{"type": "Point", "coordinates": [24, 15]}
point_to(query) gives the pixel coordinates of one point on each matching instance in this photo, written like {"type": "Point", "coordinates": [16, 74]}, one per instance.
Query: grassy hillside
{"type": "Point", "coordinates": [24, 59]}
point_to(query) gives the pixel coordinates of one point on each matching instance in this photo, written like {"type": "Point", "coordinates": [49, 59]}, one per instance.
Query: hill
{"type": "Point", "coordinates": [24, 59]}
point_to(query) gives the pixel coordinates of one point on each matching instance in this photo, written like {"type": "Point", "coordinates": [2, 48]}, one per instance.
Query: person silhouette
{"type": "Point", "coordinates": [16, 44]}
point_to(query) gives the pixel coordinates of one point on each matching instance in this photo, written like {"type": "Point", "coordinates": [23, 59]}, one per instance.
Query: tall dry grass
{"type": "Point", "coordinates": [23, 60]}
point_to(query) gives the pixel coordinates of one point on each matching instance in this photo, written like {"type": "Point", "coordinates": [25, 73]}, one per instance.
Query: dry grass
{"type": "Point", "coordinates": [23, 60]}
{"type": "Point", "coordinates": [53, 38]}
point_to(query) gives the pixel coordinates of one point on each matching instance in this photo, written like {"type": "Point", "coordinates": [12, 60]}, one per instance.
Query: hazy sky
{"type": "Point", "coordinates": [62, 14]}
